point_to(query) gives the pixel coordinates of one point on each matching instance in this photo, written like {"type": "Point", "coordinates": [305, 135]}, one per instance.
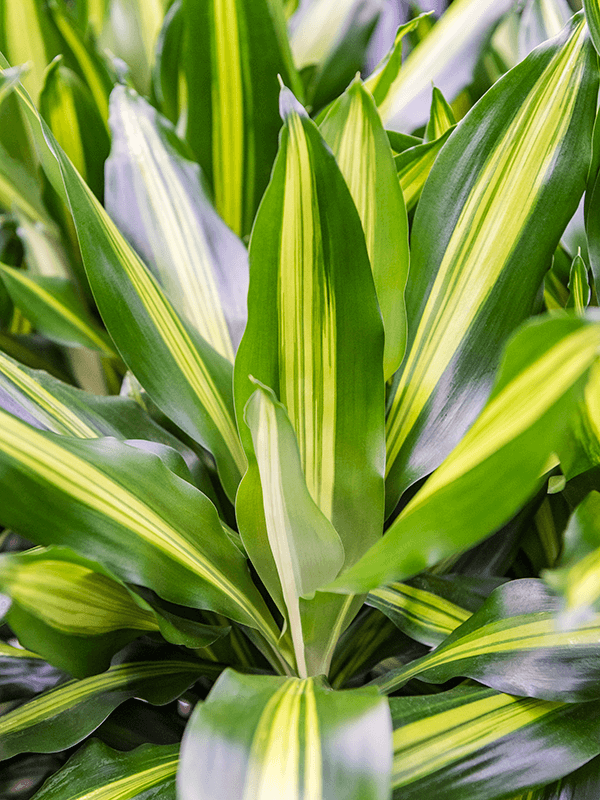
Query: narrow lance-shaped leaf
{"type": "Point", "coordinates": [470, 239]}
{"type": "Point", "coordinates": [353, 130]}
{"type": "Point", "coordinates": [145, 534]}
{"type": "Point", "coordinates": [474, 742]}
{"type": "Point", "coordinates": [62, 717]}
{"type": "Point", "coordinates": [579, 286]}
{"type": "Point", "coordinates": [193, 386]}
{"type": "Point", "coordinates": [314, 332]}
{"type": "Point", "coordinates": [441, 117]}
{"type": "Point", "coordinates": [413, 166]}
{"type": "Point", "coordinates": [500, 462]}
{"type": "Point", "coordinates": [445, 57]}
{"type": "Point", "coordinates": [293, 546]}
{"type": "Point", "coordinates": [286, 738]}
{"type": "Point", "coordinates": [157, 199]}
{"type": "Point", "coordinates": [97, 772]}
{"type": "Point", "coordinates": [53, 307]}
{"type": "Point", "coordinates": [233, 52]}
{"type": "Point", "coordinates": [517, 642]}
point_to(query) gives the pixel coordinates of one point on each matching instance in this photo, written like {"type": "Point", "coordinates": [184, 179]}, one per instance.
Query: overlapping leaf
{"type": "Point", "coordinates": [286, 737]}
{"type": "Point", "coordinates": [314, 331]}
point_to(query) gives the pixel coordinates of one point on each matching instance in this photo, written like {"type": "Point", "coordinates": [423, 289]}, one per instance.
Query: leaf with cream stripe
{"type": "Point", "coordinates": [97, 772]}
{"type": "Point", "coordinates": [493, 184]}
{"type": "Point", "coordinates": [500, 462]}
{"type": "Point", "coordinates": [286, 738]}
{"type": "Point", "coordinates": [123, 508]}
{"type": "Point", "coordinates": [474, 742]}
{"type": "Point", "coordinates": [314, 333]}
{"type": "Point", "coordinates": [157, 199]}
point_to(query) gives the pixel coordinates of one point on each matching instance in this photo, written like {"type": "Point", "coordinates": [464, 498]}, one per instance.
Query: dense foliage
{"type": "Point", "coordinates": [299, 400]}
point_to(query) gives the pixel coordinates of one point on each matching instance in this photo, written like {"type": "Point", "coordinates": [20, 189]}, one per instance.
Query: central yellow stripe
{"type": "Point", "coordinates": [485, 236]}
{"type": "Point", "coordinates": [132, 785]}
{"type": "Point", "coordinates": [307, 324]}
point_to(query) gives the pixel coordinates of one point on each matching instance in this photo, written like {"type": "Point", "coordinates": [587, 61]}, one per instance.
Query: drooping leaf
{"type": "Point", "coordinates": [53, 307]}
{"type": "Point", "coordinates": [295, 738]}
{"type": "Point", "coordinates": [518, 643]}
{"type": "Point", "coordinates": [97, 772]}
{"type": "Point", "coordinates": [156, 197]}
{"type": "Point", "coordinates": [123, 508]}
{"type": "Point", "coordinates": [233, 52]}
{"type": "Point", "coordinates": [314, 331]}
{"type": "Point", "coordinates": [499, 464]}
{"type": "Point", "coordinates": [474, 742]}
{"type": "Point", "coordinates": [471, 237]}
{"type": "Point", "coordinates": [445, 57]}
{"type": "Point", "coordinates": [62, 717]}
{"type": "Point", "coordinates": [292, 544]}
{"type": "Point", "coordinates": [353, 130]}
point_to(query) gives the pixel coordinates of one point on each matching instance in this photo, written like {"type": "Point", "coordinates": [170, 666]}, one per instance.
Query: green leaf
{"type": "Point", "coordinates": [353, 130]}
{"type": "Point", "coordinates": [420, 614]}
{"type": "Point", "coordinates": [577, 577]}
{"type": "Point", "coordinates": [156, 198]}
{"type": "Point", "coordinates": [97, 772]}
{"type": "Point", "coordinates": [233, 52]}
{"type": "Point", "coordinates": [592, 14]}
{"type": "Point", "coordinates": [500, 462]}
{"type": "Point", "coordinates": [413, 166]}
{"type": "Point", "coordinates": [519, 643]}
{"type": "Point", "coordinates": [68, 107]}
{"type": "Point", "coordinates": [168, 77]}
{"type": "Point", "coordinates": [62, 717]}
{"type": "Point", "coordinates": [579, 286]}
{"type": "Point", "coordinates": [293, 546]}
{"type": "Point", "coordinates": [53, 307]}
{"type": "Point", "coordinates": [314, 330]}
{"type": "Point", "coordinates": [493, 184]}
{"type": "Point", "coordinates": [476, 743]}
{"type": "Point", "coordinates": [123, 508]}
{"type": "Point", "coordinates": [289, 737]}
{"type": "Point", "coordinates": [441, 117]}
{"type": "Point", "coordinates": [445, 57]}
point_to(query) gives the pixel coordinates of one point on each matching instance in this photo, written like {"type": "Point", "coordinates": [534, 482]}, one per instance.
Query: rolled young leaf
{"type": "Point", "coordinates": [97, 772]}
{"type": "Point", "coordinates": [292, 544]}
{"type": "Point", "coordinates": [498, 465]}
{"type": "Point", "coordinates": [353, 130]}
{"type": "Point", "coordinates": [233, 52]}
{"type": "Point", "coordinates": [493, 185]}
{"type": "Point", "coordinates": [157, 199]}
{"type": "Point", "coordinates": [474, 742]}
{"type": "Point", "coordinates": [123, 508]}
{"type": "Point", "coordinates": [314, 333]}
{"type": "Point", "coordinates": [289, 737]}
{"type": "Point", "coordinates": [518, 643]}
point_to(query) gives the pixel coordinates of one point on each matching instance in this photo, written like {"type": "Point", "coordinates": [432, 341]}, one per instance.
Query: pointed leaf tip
{"type": "Point", "coordinates": [288, 104]}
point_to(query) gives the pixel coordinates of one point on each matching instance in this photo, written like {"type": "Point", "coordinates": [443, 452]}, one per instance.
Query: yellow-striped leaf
{"type": "Point", "coordinates": [579, 286]}
{"type": "Point", "coordinates": [592, 13]}
{"type": "Point", "coordinates": [293, 739]}
{"type": "Point", "coordinates": [445, 57]}
{"type": "Point", "coordinates": [68, 107]}
{"type": "Point", "coordinates": [156, 198]}
{"type": "Point", "coordinates": [474, 742]}
{"type": "Point", "coordinates": [424, 616]}
{"type": "Point", "coordinates": [293, 546]}
{"type": "Point", "coordinates": [97, 772]}
{"type": "Point", "coordinates": [413, 166]}
{"type": "Point", "coordinates": [193, 385]}
{"type": "Point", "coordinates": [233, 52]}
{"type": "Point", "coordinates": [441, 117]}
{"type": "Point", "coordinates": [54, 309]}
{"type": "Point", "coordinates": [123, 508]}
{"type": "Point", "coordinates": [62, 717]}
{"type": "Point", "coordinates": [493, 184]}
{"type": "Point", "coordinates": [314, 332]}
{"type": "Point", "coordinates": [499, 464]}
{"type": "Point", "coordinates": [517, 642]}
{"type": "Point", "coordinates": [353, 130]}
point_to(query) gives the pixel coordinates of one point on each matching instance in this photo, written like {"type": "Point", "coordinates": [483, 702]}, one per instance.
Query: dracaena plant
{"type": "Point", "coordinates": [299, 400]}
